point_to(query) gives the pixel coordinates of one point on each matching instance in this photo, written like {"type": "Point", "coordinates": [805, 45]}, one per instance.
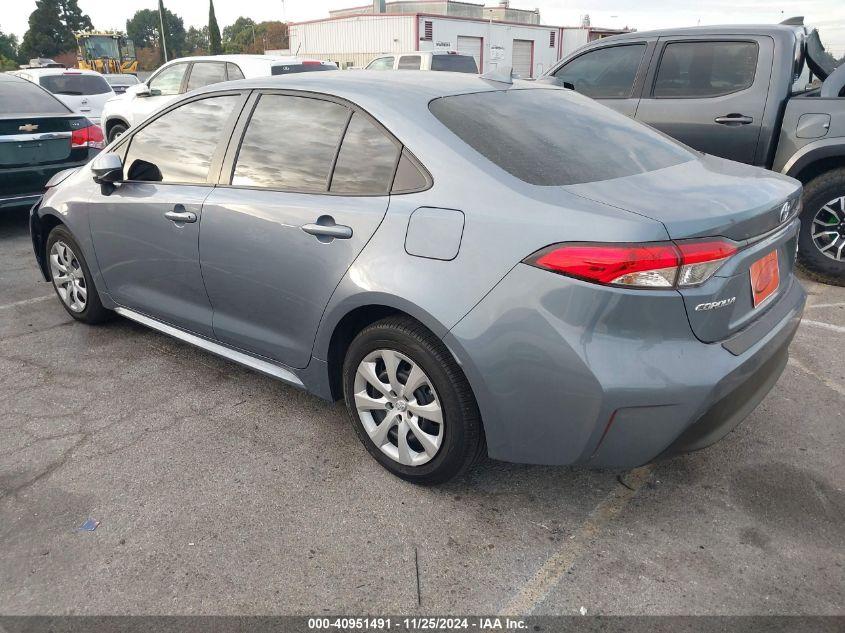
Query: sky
{"type": "Point", "coordinates": [827, 15]}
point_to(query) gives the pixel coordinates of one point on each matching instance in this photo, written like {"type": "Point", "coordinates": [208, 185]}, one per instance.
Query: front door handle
{"type": "Point", "coordinates": [734, 119]}
{"type": "Point", "coordinates": [180, 216]}
{"type": "Point", "coordinates": [326, 230]}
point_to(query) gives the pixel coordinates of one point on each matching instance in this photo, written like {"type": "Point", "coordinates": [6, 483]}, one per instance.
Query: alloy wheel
{"type": "Point", "coordinates": [68, 277]}
{"type": "Point", "coordinates": [829, 229]}
{"type": "Point", "coordinates": [398, 407]}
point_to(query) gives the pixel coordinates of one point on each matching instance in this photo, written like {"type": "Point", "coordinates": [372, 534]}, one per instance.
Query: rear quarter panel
{"type": "Point", "coordinates": [795, 153]}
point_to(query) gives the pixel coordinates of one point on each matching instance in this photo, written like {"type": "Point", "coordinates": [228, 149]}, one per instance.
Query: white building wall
{"type": "Point", "coordinates": [573, 38]}
{"type": "Point", "coordinates": [498, 40]}
{"type": "Point", "coordinates": [359, 39]}
{"type": "Point", "coordinates": [356, 39]}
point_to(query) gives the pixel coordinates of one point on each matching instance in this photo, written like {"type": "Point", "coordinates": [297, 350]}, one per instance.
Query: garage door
{"type": "Point", "coordinates": [523, 57]}
{"type": "Point", "coordinates": [471, 46]}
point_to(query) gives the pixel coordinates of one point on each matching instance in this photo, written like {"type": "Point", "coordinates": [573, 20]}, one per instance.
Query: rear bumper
{"type": "Point", "coordinates": [19, 200]}
{"type": "Point", "coordinates": [22, 186]}
{"type": "Point", "coordinates": [566, 372]}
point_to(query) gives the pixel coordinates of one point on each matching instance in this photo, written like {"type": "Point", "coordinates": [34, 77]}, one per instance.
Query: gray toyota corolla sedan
{"type": "Point", "coordinates": [472, 265]}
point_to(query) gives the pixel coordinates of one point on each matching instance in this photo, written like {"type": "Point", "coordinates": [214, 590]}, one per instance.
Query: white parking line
{"type": "Point", "coordinates": [826, 326]}
{"type": "Point", "coordinates": [27, 302]}
{"type": "Point", "coordinates": [823, 379]}
{"type": "Point", "coordinates": [824, 305]}
{"type": "Point", "coordinates": [556, 566]}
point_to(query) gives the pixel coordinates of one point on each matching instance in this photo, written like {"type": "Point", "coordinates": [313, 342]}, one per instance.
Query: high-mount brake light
{"type": "Point", "coordinates": [647, 265]}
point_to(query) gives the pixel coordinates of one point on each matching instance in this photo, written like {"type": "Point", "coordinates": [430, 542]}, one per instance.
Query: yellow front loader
{"type": "Point", "coordinates": [106, 52]}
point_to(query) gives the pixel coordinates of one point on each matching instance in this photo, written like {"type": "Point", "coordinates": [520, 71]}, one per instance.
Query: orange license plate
{"type": "Point", "coordinates": [765, 277]}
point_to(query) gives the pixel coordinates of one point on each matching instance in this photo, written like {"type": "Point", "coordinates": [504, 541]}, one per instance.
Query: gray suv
{"type": "Point", "coordinates": [739, 92]}
{"type": "Point", "coordinates": [467, 286]}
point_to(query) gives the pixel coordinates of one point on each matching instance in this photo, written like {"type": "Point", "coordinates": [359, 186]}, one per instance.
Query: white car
{"type": "Point", "coordinates": [450, 61]}
{"type": "Point", "coordinates": [83, 91]}
{"type": "Point", "coordinates": [188, 73]}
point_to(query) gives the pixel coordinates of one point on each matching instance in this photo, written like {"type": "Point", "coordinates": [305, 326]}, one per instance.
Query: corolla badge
{"type": "Point", "coordinates": [784, 211]}
{"type": "Point", "coordinates": [713, 305]}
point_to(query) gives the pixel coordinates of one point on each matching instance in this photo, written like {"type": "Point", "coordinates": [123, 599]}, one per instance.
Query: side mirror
{"type": "Point", "coordinates": [107, 168]}
{"type": "Point", "coordinates": [139, 90]}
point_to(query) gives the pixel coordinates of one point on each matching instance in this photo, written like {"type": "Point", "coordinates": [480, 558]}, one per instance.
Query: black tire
{"type": "Point", "coordinates": [116, 130]}
{"type": "Point", "coordinates": [463, 436]}
{"type": "Point", "coordinates": [818, 192]}
{"type": "Point", "coordinates": [94, 312]}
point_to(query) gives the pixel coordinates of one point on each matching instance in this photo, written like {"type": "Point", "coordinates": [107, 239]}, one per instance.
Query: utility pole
{"type": "Point", "coordinates": [161, 22]}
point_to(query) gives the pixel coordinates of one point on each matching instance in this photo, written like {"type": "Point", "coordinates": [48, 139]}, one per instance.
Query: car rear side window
{"type": "Point", "coordinates": [454, 63]}
{"type": "Point", "coordinates": [290, 144]}
{"type": "Point", "coordinates": [24, 97]}
{"type": "Point", "coordinates": [178, 146]}
{"type": "Point", "coordinates": [705, 69]}
{"type": "Point", "coordinates": [409, 62]}
{"type": "Point", "coordinates": [206, 73]}
{"type": "Point", "coordinates": [234, 71]}
{"type": "Point", "coordinates": [71, 84]}
{"type": "Point", "coordinates": [555, 137]}
{"type": "Point", "coordinates": [606, 73]}
{"type": "Point", "coordinates": [367, 159]}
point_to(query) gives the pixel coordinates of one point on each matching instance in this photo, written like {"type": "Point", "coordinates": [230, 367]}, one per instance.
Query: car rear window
{"type": "Point", "coordinates": [555, 137]}
{"type": "Point", "coordinates": [26, 97]}
{"type": "Point", "coordinates": [289, 69]}
{"type": "Point", "coordinates": [454, 63]}
{"type": "Point", "coordinates": [75, 84]}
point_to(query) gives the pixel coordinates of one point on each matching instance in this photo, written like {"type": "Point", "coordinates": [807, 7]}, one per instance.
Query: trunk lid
{"type": "Point", "coordinates": [701, 198]}
{"type": "Point", "coordinates": [32, 148]}
{"type": "Point", "coordinates": [713, 197]}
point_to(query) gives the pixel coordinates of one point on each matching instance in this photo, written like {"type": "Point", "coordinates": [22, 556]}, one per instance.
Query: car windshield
{"type": "Point", "coordinates": [23, 97]}
{"type": "Point", "coordinates": [555, 137]}
{"type": "Point", "coordinates": [75, 84]}
{"type": "Point", "coordinates": [99, 46]}
{"type": "Point", "coordinates": [454, 63]}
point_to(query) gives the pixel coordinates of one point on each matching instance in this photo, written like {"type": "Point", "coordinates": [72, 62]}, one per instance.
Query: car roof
{"type": "Point", "coordinates": [8, 76]}
{"type": "Point", "coordinates": [730, 29]}
{"type": "Point", "coordinates": [367, 85]}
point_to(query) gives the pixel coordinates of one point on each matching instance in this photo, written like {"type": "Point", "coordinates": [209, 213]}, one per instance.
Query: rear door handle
{"type": "Point", "coordinates": [734, 119]}
{"type": "Point", "coordinates": [326, 230]}
{"type": "Point", "coordinates": [180, 216]}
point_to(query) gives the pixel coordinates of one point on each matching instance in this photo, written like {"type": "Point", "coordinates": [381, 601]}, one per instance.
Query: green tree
{"type": "Point", "coordinates": [215, 45]}
{"type": "Point", "coordinates": [238, 37]}
{"type": "Point", "coordinates": [196, 41]}
{"type": "Point", "coordinates": [8, 45]}
{"type": "Point", "coordinates": [73, 17]}
{"type": "Point", "coordinates": [8, 51]}
{"type": "Point", "coordinates": [144, 30]}
{"type": "Point", "coordinates": [51, 28]}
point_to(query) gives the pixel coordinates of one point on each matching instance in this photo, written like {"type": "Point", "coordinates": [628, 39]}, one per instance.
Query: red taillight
{"type": "Point", "coordinates": [648, 265]}
{"type": "Point", "coordinates": [90, 136]}
{"type": "Point", "coordinates": [311, 63]}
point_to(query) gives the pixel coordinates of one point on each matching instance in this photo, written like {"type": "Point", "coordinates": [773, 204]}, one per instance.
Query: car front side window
{"type": "Point", "coordinates": [605, 73]}
{"type": "Point", "coordinates": [382, 63]}
{"type": "Point", "coordinates": [168, 81]}
{"type": "Point", "coordinates": [178, 146]}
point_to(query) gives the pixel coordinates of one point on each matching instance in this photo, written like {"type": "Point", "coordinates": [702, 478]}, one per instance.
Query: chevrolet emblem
{"type": "Point", "coordinates": [29, 127]}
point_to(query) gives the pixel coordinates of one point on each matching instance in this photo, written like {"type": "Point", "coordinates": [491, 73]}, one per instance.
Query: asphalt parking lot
{"type": "Point", "coordinates": [220, 491]}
